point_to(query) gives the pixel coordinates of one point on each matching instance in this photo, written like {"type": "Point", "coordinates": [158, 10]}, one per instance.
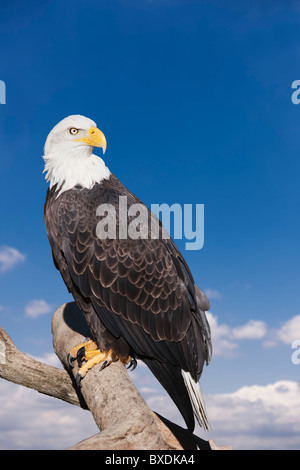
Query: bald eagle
{"type": "Point", "coordinates": [137, 294]}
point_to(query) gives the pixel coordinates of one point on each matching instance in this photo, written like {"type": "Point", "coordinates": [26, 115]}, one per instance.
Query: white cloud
{"type": "Point", "coordinates": [290, 330]}
{"type": "Point", "coordinates": [213, 294]}
{"type": "Point", "coordinates": [254, 329]}
{"type": "Point", "coordinates": [222, 338]}
{"type": "Point", "coordinates": [48, 358]}
{"type": "Point", "coordinates": [226, 339]}
{"type": "Point", "coordinates": [252, 417]}
{"type": "Point", "coordinates": [286, 334]}
{"type": "Point", "coordinates": [269, 343]}
{"type": "Point", "coordinates": [9, 258]}
{"type": "Point", "coordinates": [35, 308]}
{"type": "Point", "coordinates": [30, 420]}
{"type": "Point", "coordinates": [257, 416]}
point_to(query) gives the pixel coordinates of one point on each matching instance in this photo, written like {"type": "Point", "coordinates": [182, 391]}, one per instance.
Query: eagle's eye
{"type": "Point", "coordinates": [73, 131]}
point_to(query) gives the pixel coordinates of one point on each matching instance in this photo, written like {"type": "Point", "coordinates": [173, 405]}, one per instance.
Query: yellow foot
{"type": "Point", "coordinates": [92, 358]}
{"type": "Point", "coordinates": [92, 355]}
{"type": "Point", "coordinates": [79, 351]}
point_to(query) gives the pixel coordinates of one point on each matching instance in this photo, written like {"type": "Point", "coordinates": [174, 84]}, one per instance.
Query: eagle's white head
{"type": "Point", "coordinates": [68, 154]}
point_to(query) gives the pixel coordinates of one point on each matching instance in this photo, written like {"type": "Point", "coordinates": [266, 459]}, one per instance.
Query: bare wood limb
{"type": "Point", "coordinates": [120, 412]}
{"type": "Point", "coordinates": [125, 420]}
{"type": "Point", "coordinates": [118, 409]}
{"type": "Point", "coordinates": [21, 369]}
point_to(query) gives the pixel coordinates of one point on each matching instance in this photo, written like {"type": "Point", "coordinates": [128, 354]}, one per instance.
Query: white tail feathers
{"type": "Point", "coordinates": [197, 400]}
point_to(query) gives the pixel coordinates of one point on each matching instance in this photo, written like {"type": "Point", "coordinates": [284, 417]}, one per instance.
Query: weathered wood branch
{"type": "Point", "coordinates": [123, 417]}
{"type": "Point", "coordinates": [21, 369]}
{"type": "Point", "coordinates": [118, 409]}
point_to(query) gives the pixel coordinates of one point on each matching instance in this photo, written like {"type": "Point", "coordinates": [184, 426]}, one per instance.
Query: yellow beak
{"type": "Point", "coordinates": [94, 138]}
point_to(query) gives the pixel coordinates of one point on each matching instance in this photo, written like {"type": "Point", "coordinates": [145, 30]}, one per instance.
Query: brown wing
{"type": "Point", "coordinates": [141, 289]}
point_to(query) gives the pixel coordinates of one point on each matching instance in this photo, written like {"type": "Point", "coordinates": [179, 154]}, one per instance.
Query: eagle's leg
{"type": "Point", "coordinates": [78, 352]}
{"type": "Point", "coordinates": [92, 355]}
{"type": "Point", "coordinates": [92, 358]}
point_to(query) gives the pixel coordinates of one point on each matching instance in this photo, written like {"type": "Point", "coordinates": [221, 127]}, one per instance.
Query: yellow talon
{"type": "Point", "coordinates": [89, 345]}
{"type": "Point", "coordinates": [94, 357]}
{"type": "Point", "coordinates": [89, 352]}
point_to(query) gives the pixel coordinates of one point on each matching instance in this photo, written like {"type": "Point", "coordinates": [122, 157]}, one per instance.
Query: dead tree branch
{"type": "Point", "coordinates": [21, 369]}
{"type": "Point", "coordinates": [123, 417]}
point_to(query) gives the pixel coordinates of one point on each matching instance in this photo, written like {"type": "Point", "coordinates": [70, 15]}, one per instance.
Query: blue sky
{"type": "Point", "coordinates": [194, 98]}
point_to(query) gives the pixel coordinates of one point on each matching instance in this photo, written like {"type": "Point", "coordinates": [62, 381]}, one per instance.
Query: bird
{"type": "Point", "coordinates": [137, 294]}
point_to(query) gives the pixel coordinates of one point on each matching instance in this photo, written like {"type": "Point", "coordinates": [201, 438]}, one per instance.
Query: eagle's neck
{"type": "Point", "coordinates": [79, 167]}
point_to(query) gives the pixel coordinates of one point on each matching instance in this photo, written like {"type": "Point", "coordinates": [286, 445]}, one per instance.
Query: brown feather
{"type": "Point", "coordinates": [138, 296]}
